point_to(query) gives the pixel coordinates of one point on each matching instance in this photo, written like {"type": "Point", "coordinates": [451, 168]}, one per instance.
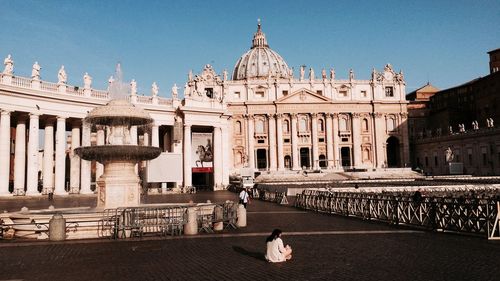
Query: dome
{"type": "Point", "coordinates": [260, 61]}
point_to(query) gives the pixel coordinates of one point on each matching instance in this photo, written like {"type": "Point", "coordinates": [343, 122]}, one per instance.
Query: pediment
{"type": "Point", "coordinates": [303, 96]}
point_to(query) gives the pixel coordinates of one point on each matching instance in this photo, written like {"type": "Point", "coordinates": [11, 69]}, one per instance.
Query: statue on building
{"type": "Point", "coordinates": [351, 74]}
{"type": "Point", "coordinates": [400, 77]}
{"type": "Point", "coordinates": [302, 71]}
{"type": "Point", "coordinates": [62, 78]}
{"type": "Point", "coordinates": [224, 75]}
{"type": "Point", "coordinates": [111, 80]}
{"type": "Point", "coordinates": [450, 130]}
{"type": "Point", "coordinates": [374, 75]}
{"type": "Point", "coordinates": [154, 89]}
{"type": "Point", "coordinates": [489, 122]}
{"type": "Point", "coordinates": [323, 74]}
{"type": "Point", "coordinates": [438, 132]}
{"type": "Point", "coordinates": [174, 91]}
{"type": "Point", "coordinates": [35, 72]}
{"type": "Point", "coordinates": [87, 81]}
{"type": "Point", "coordinates": [133, 87]}
{"type": "Point", "coordinates": [186, 93]}
{"type": "Point", "coordinates": [311, 73]}
{"type": "Point", "coordinates": [449, 154]}
{"type": "Point", "coordinates": [190, 76]}
{"type": "Point", "coordinates": [475, 125]}
{"type": "Point", "coordinates": [9, 65]}
{"type": "Point", "coordinates": [332, 73]}
{"type": "Point", "coordinates": [290, 72]}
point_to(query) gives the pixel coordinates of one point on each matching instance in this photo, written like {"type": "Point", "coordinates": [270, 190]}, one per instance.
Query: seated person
{"type": "Point", "coordinates": [276, 252]}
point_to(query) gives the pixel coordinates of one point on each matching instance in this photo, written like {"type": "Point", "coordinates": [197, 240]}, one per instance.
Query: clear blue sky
{"type": "Point", "coordinates": [444, 42]}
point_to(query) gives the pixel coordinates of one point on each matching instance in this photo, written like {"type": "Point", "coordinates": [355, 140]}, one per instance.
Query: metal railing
{"type": "Point", "coordinates": [464, 215]}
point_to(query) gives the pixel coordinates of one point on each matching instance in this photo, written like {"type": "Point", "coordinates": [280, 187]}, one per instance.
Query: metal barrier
{"type": "Point", "coordinates": [465, 215]}
{"type": "Point", "coordinates": [274, 196]}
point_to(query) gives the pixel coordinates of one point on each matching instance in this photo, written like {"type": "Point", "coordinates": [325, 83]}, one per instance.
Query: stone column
{"type": "Point", "coordinates": [379, 139]}
{"type": "Point", "coordinates": [251, 149]}
{"type": "Point", "coordinates": [74, 181]}
{"type": "Point", "coordinates": [20, 157]}
{"type": "Point", "coordinates": [314, 136]}
{"type": "Point", "coordinates": [336, 140]}
{"type": "Point", "coordinates": [217, 158]}
{"type": "Point", "coordinates": [329, 141]}
{"type": "Point", "coordinates": [279, 136]}
{"type": "Point", "coordinates": [295, 144]}
{"type": "Point", "coordinates": [4, 152]}
{"type": "Point", "coordinates": [356, 140]}
{"type": "Point", "coordinates": [134, 141]}
{"type": "Point", "coordinates": [100, 140]}
{"type": "Point", "coordinates": [226, 148]}
{"type": "Point", "coordinates": [405, 160]}
{"type": "Point", "coordinates": [272, 142]}
{"type": "Point", "coordinates": [61, 141]}
{"type": "Point", "coordinates": [32, 167]}
{"type": "Point", "coordinates": [187, 156]}
{"type": "Point", "coordinates": [155, 140]}
{"type": "Point", "coordinates": [48, 157]}
{"type": "Point", "coordinates": [85, 164]}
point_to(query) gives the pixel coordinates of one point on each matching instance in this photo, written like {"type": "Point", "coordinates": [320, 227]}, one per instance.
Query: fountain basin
{"type": "Point", "coordinates": [106, 153]}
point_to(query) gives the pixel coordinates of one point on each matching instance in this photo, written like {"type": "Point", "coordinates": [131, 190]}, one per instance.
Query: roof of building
{"type": "Point", "coordinates": [494, 51]}
{"type": "Point", "coordinates": [260, 61]}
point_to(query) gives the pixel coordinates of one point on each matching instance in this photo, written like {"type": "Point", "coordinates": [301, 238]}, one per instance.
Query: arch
{"type": "Point", "coordinates": [238, 158]}
{"type": "Point", "coordinates": [261, 159]}
{"type": "Point", "coordinates": [343, 124]}
{"type": "Point", "coordinates": [364, 125]}
{"type": "Point", "coordinates": [286, 126]}
{"type": "Point", "coordinates": [366, 155]}
{"type": "Point", "coordinates": [393, 154]}
{"type": "Point", "coordinates": [288, 162]}
{"type": "Point", "coordinates": [323, 163]}
{"type": "Point", "coordinates": [391, 124]}
{"type": "Point", "coordinates": [303, 124]}
{"type": "Point", "coordinates": [237, 127]}
{"type": "Point", "coordinates": [305, 157]}
{"type": "Point", "coordinates": [259, 126]}
{"type": "Point", "coordinates": [321, 125]}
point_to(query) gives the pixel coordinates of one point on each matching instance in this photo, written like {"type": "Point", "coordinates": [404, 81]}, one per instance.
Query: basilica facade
{"type": "Point", "coordinates": [262, 116]}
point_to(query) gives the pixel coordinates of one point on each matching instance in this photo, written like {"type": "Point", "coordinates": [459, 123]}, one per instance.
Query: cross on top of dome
{"type": "Point", "coordinates": [259, 38]}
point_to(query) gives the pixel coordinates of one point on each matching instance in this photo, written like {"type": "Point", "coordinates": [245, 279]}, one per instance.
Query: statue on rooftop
{"type": "Point", "coordinates": [224, 75]}
{"type": "Point", "coordinates": [323, 74]}
{"type": "Point", "coordinates": [302, 71]}
{"type": "Point", "coordinates": [62, 78]}
{"type": "Point", "coordinates": [9, 65]}
{"type": "Point", "coordinates": [133, 87]}
{"type": "Point", "coordinates": [190, 76]}
{"type": "Point", "coordinates": [332, 73]}
{"type": "Point", "coordinates": [475, 125]}
{"type": "Point", "coordinates": [311, 73]}
{"type": "Point", "coordinates": [351, 74]}
{"type": "Point", "coordinates": [35, 72]}
{"type": "Point", "coordinates": [154, 89]}
{"type": "Point", "coordinates": [449, 154]}
{"type": "Point", "coordinates": [174, 91]}
{"type": "Point", "coordinates": [87, 81]}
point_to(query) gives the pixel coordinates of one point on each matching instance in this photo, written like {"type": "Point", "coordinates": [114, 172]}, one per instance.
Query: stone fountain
{"type": "Point", "coordinates": [119, 186]}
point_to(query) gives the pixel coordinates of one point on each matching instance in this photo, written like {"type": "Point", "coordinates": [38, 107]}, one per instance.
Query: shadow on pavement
{"type": "Point", "coordinates": [256, 255]}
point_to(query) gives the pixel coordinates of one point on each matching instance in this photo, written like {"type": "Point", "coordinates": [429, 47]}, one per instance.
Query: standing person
{"type": "Point", "coordinates": [275, 251]}
{"type": "Point", "coordinates": [244, 197]}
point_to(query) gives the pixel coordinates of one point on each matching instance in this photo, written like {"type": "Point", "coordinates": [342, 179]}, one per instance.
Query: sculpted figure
{"type": "Point", "coordinates": [133, 87]}
{"type": "Point", "coordinates": [491, 123]}
{"type": "Point", "coordinates": [154, 89]}
{"type": "Point", "coordinates": [35, 73]}
{"type": "Point", "coordinates": [332, 73]}
{"type": "Point", "coordinates": [450, 130]}
{"type": "Point", "coordinates": [374, 75]}
{"type": "Point", "coordinates": [186, 90]}
{"type": "Point", "coordinates": [475, 125]}
{"type": "Point", "coordinates": [9, 65]}
{"type": "Point", "coordinates": [302, 71]}
{"type": "Point", "coordinates": [190, 75]}
{"type": "Point", "coordinates": [174, 91]}
{"type": "Point", "coordinates": [87, 81]}
{"type": "Point", "coordinates": [61, 76]}
{"type": "Point", "coordinates": [323, 74]}
{"type": "Point", "coordinates": [449, 155]}
{"type": "Point", "coordinates": [351, 74]}
{"type": "Point", "coordinates": [311, 73]}
{"type": "Point", "coordinates": [290, 72]}
{"type": "Point", "coordinates": [224, 75]}
{"type": "Point", "coordinates": [111, 80]}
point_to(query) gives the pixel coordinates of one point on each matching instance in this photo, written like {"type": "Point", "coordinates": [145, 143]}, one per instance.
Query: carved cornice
{"type": "Point", "coordinates": [279, 115]}
{"type": "Point", "coordinates": [293, 115]}
{"type": "Point", "coordinates": [377, 114]}
{"type": "Point", "coordinates": [404, 114]}
{"type": "Point", "coordinates": [355, 115]}
{"type": "Point", "coordinates": [335, 115]}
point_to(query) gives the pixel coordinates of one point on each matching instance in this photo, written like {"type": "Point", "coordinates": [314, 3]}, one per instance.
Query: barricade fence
{"type": "Point", "coordinates": [464, 215]}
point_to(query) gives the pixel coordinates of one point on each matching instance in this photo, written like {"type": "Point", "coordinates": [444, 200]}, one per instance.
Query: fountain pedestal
{"type": "Point", "coordinates": [119, 186]}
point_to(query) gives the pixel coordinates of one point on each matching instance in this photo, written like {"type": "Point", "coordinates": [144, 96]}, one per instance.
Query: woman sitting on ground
{"type": "Point", "coordinates": [276, 252]}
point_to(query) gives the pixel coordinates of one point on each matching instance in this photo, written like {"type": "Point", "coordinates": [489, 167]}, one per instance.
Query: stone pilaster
{"type": "Point", "coordinates": [251, 145]}
{"type": "Point", "coordinates": [4, 152]}
{"type": "Point", "coordinates": [272, 142]}
{"type": "Point", "coordinates": [356, 140]}
{"type": "Point", "coordinates": [379, 131]}
{"type": "Point", "coordinates": [217, 158]}
{"type": "Point", "coordinates": [295, 144]}
{"type": "Point", "coordinates": [336, 141]}
{"type": "Point", "coordinates": [279, 136]}
{"type": "Point", "coordinates": [329, 141]}
{"type": "Point", "coordinates": [85, 165]}
{"type": "Point", "coordinates": [187, 156]}
{"type": "Point", "coordinates": [32, 167]}
{"type": "Point", "coordinates": [314, 136]}
{"type": "Point", "coordinates": [60, 178]}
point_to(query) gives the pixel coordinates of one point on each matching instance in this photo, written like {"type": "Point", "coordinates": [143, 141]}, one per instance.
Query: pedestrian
{"type": "Point", "coordinates": [275, 251]}
{"type": "Point", "coordinates": [244, 197]}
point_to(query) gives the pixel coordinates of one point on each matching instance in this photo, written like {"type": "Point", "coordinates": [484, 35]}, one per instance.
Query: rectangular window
{"type": "Point", "coordinates": [319, 92]}
{"type": "Point", "coordinates": [259, 94]}
{"type": "Point", "coordinates": [343, 93]}
{"type": "Point", "coordinates": [260, 141]}
{"type": "Point", "coordinates": [209, 92]}
{"type": "Point", "coordinates": [426, 161]}
{"type": "Point", "coordinates": [285, 93]}
{"type": "Point", "coordinates": [435, 161]}
{"type": "Point", "coordinates": [485, 159]}
{"type": "Point", "coordinates": [321, 140]}
{"type": "Point", "coordinates": [237, 95]}
{"type": "Point", "coordinates": [364, 94]}
{"type": "Point", "coordinates": [470, 159]}
{"type": "Point", "coordinates": [286, 140]}
{"type": "Point", "coordinates": [345, 139]}
{"type": "Point", "coordinates": [389, 91]}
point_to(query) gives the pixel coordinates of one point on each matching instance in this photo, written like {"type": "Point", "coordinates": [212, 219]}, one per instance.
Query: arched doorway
{"type": "Point", "coordinates": [393, 158]}
{"type": "Point", "coordinates": [261, 159]}
{"type": "Point", "coordinates": [323, 163]}
{"type": "Point", "coordinates": [288, 162]}
{"type": "Point", "coordinates": [304, 157]}
{"type": "Point", "coordinates": [345, 154]}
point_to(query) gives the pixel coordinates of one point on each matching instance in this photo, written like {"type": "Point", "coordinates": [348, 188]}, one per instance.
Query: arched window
{"type": "Point", "coordinates": [238, 158]}
{"type": "Point", "coordinates": [342, 124]}
{"type": "Point", "coordinates": [321, 125]}
{"type": "Point", "coordinates": [364, 125]}
{"type": "Point", "coordinates": [322, 161]}
{"type": "Point", "coordinates": [366, 155]}
{"type": "Point", "coordinates": [286, 126]}
{"type": "Point", "coordinates": [237, 127]}
{"type": "Point", "coordinates": [259, 126]}
{"type": "Point", "coordinates": [288, 162]}
{"type": "Point", "coordinates": [302, 125]}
